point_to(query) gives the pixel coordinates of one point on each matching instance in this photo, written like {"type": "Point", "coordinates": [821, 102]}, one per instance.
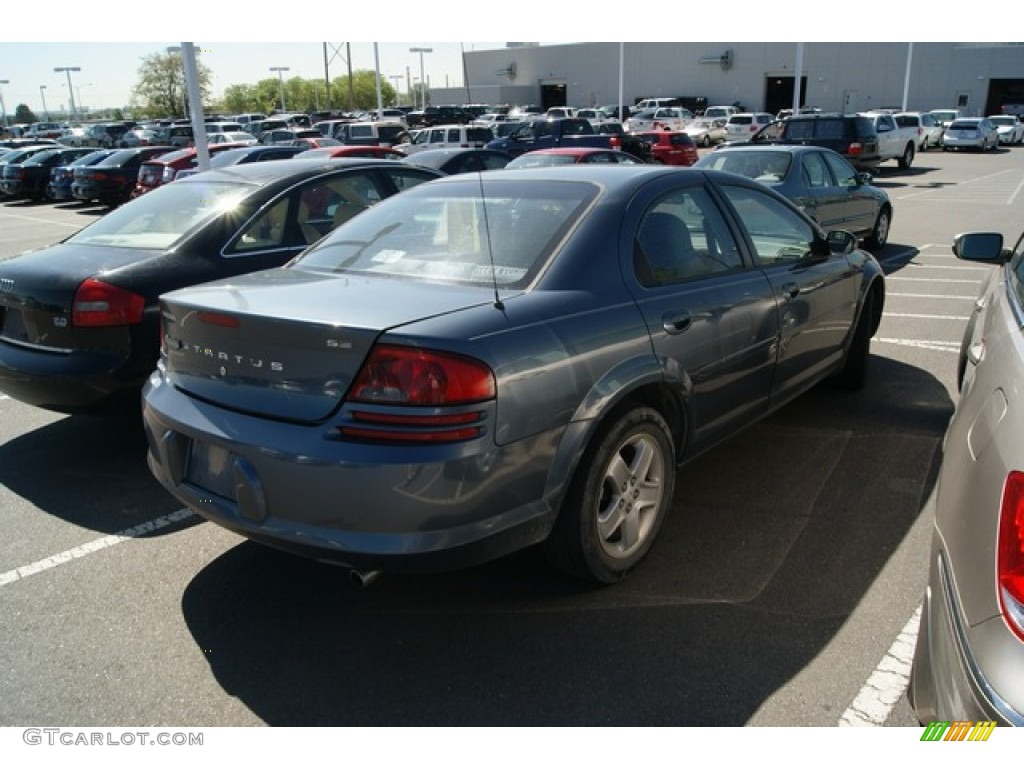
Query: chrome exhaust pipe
{"type": "Point", "coordinates": [363, 578]}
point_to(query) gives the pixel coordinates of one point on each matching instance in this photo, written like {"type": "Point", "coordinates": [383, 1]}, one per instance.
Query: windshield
{"type": "Point", "coordinates": [160, 218]}
{"type": "Point", "coordinates": [445, 233]}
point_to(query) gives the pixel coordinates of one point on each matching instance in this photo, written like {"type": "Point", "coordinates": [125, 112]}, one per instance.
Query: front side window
{"type": "Point", "coordinates": [778, 234]}
{"type": "Point", "coordinates": [1017, 272]}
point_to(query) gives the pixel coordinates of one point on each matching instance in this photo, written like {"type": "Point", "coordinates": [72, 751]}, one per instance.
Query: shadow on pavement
{"type": "Point", "coordinates": [774, 538]}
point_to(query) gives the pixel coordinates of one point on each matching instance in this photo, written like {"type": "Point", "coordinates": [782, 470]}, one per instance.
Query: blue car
{"type": "Point", "coordinates": [58, 188]}
{"type": "Point", "coordinates": [492, 361]}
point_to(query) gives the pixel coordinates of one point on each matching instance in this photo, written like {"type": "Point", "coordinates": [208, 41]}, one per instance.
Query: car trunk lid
{"type": "Point", "coordinates": [37, 292]}
{"type": "Point", "coordinates": [287, 344]}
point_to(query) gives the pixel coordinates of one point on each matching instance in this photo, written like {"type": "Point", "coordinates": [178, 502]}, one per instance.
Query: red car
{"type": "Point", "coordinates": [352, 150]}
{"type": "Point", "coordinates": [671, 147]}
{"type": "Point", "coordinates": [164, 169]}
{"type": "Point", "coordinates": [571, 155]}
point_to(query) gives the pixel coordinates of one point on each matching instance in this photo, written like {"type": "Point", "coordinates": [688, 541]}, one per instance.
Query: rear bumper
{"type": "Point", "coordinates": [75, 382]}
{"type": "Point", "coordinates": [104, 193]}
{"type": "Point", "coordinates": [393, 508]}
{"type": "Point", "coordinates": [947, 683]}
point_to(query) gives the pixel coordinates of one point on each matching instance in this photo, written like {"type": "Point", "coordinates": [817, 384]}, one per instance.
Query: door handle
{"type": "Point", "coordinates": [676, 322]}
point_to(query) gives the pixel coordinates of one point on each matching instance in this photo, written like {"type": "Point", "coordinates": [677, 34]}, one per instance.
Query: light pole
{"type": "Point", "coordinates": [172, 50]}
{"type": "Point", "coordinates": [78, 91]}
{"type": "Point", "coordinates": [280, 83]}
{"type": "Point", "coordinates": [71, 90]}
{"type": "Point", "coordinates": [398, 90]}
{"type": "Point", "coordinates": [423, 92]}
{"type": "Point", "coordinates": [3, 109]}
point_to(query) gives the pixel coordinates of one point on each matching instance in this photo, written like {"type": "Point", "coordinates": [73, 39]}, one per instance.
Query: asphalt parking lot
{"type": "Point", "coordinates": [782, 591]}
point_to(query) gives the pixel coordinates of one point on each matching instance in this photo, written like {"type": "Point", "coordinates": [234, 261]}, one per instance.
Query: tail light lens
{"type": "Point", "coordinates": [98, 304]}
{"type": "Point", "coordinates": [854, 148]}
{"type": "Point", "coordinates": [405, 376]}
{"type": "Point", "coordinates": [1010, 559]}
{"type": "Point", "coordinates": [98, 176]}
{"type": "Point", "coordinates": [408, 376]}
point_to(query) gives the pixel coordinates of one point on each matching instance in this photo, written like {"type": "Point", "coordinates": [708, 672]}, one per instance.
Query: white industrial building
{"type": "Point", "coordinates": [974, 77]}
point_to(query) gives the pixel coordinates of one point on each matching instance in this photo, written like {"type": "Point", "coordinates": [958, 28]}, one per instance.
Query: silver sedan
{"type": "Point", "coordinates": [971, 133]}
{"type": "Point", "coordinates": [970, 648]}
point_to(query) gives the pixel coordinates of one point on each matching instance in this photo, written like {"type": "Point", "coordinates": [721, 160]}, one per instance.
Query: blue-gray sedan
{"type": "Point", "coordinates": [484, 363]}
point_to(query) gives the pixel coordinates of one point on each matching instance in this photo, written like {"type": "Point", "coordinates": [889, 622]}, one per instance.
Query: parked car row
{"type": "Point", "coordinates": [367, 331]}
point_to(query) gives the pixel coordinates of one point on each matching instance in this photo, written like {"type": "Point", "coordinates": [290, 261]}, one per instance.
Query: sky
{"type": "Point", "coordinates": [109, 66]}
{"type": "Point", "coordinates": [109, 71]}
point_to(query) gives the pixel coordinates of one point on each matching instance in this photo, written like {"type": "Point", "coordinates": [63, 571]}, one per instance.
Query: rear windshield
{"type": "Point", "coordinates": [445, 233]}
{"type": "Point", "coordinates": [963, 125]}
{"type": "Point", "coordinates": [766, 167]}
{"type": "Point", "coordinates": [160, 218]}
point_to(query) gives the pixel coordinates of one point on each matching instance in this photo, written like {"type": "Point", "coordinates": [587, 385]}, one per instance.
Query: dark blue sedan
{"type": "Point", "coordinates": [488, 362]}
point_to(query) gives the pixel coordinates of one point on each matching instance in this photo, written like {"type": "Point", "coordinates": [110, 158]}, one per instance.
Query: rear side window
{"type": "Point", "coordinates": [829, 129]}
{"type": "Point", "coordinates": [683, 237]}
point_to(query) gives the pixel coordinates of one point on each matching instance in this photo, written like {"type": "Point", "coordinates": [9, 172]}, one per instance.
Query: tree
{"type": "Point", "coordinates": [22, 114]}
{"type": "Point", "coordinates": [364, 88]}
{"type": "Point", "coordinates": [160, 90]}
{"type": "Point", "coordinates": [302, 95]}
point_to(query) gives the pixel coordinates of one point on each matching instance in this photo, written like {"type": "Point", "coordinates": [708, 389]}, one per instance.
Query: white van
{"type": "Point", "coordinates": [654, 103]}
{"type": "Point", "coordinates": [447, 137]}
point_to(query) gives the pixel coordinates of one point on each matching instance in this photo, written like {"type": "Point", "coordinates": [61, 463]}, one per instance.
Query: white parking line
{"type": "Point", "coordinates": [936, 346]}
{"type": "Point", "coordinates": [931, 296]}
{"type": "Point", "coordinates": [37, 220]}
{"type": "Point", "coordinates": [893, 279]}
{"type": "Point", "coordinates": [963, 318]}
{"type": "Point", "coordinates": [871, 707]}
{"type": "Point", "coordinates": [95, 545]}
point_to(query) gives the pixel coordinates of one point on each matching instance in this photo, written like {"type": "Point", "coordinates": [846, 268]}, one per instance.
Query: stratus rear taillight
{"type": "Point", "coordinates": [99, 304]}
{"type": "Point", "coordinates": [1010, 557]}
{"type": "Point", "coordinates": [438, 387]}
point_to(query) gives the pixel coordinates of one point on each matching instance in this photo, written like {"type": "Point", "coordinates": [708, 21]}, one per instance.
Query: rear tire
{"type": "Point", "coordinates": [855, 368]}
{"type": "Point", "coordinates": [617, 500]}
{"type": "Point", "coordinates": [908, 157]}
{"type": "Point", "coordinates": [880, 233]}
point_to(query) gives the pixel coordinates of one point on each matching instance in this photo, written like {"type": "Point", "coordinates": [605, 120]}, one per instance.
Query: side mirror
{"type": "Point", "coordinates": [865, 178]}
{"type": "Point", "coordinates": [985, 247]}
{"type": "Point", "coordinates": [841, 242]}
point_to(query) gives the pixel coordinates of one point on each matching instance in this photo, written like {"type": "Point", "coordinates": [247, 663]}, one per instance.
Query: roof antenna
{"type": "Point", "coordinates": [498, 304]}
